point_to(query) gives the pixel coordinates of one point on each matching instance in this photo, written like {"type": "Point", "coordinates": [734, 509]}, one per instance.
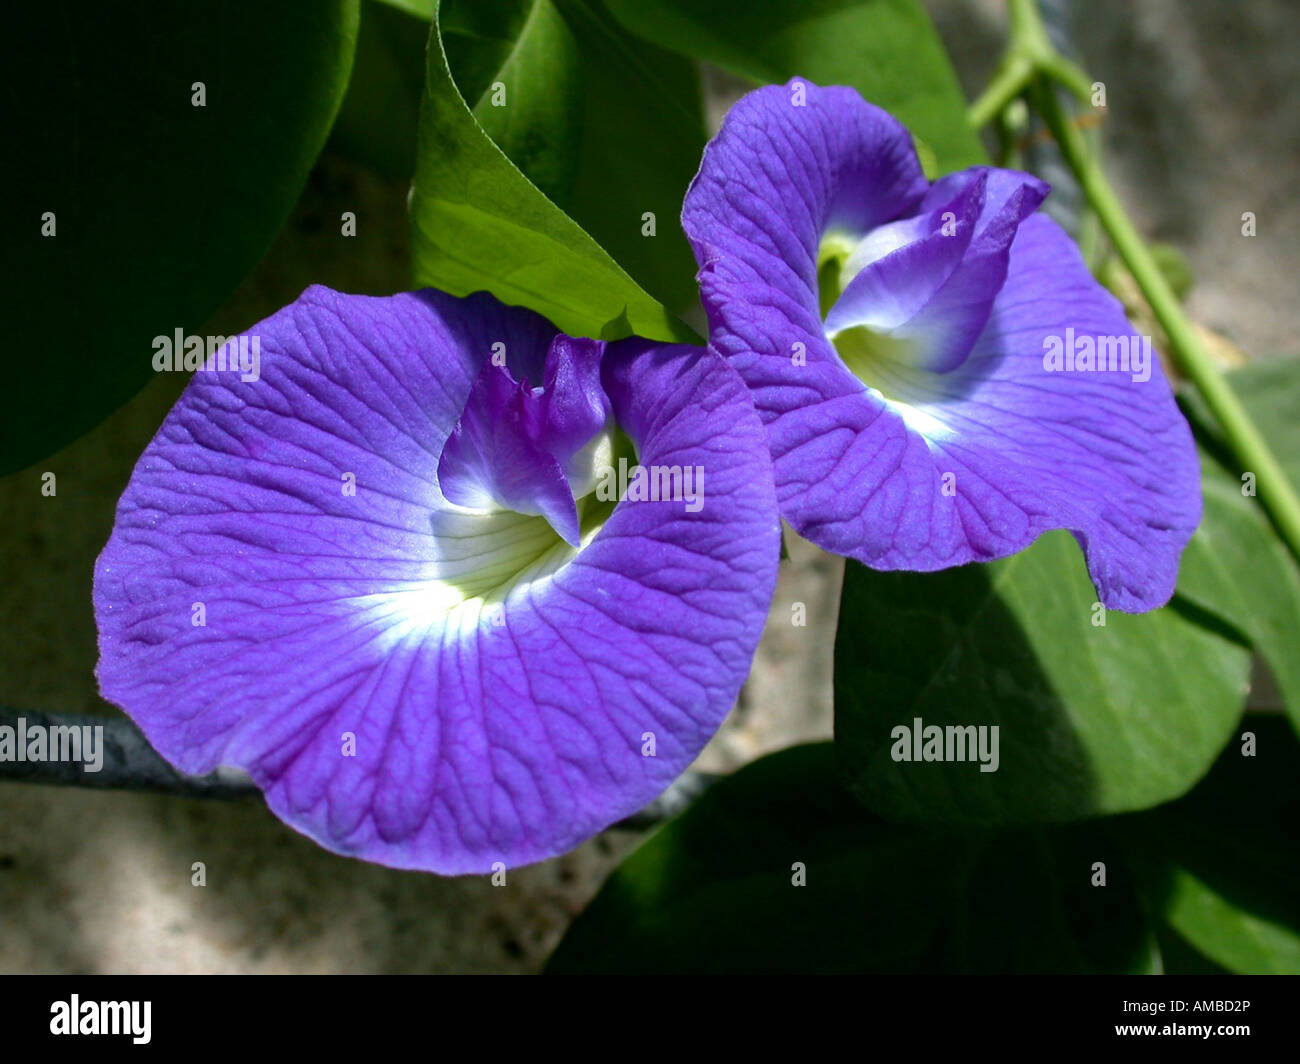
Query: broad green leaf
{"type": "Point", "coordinates": [643, 136]}
{"type": "Point", "coordinates": [1206, 883]}
{"type": "Point", "coordinates": [1221, 867]}
{"type": "Point", "coordinates": [714, 891]}
{"type": "Point", "coordinates": [1270, 391]}
{"type": "Point", "coordinates": [1236, 567]}
{"type": "Point", "coordinates": [1219, 928]}
{"type": "Point", "coordinates": [480, 224]}
{"type": "Point", "coordinates": [609, 127]}
{"type": "Point", "coordinates": [380, 115]}
{"type": "Point", "coordinates": [1092, 719]}
{"type": "Point", "coordinates": [519, 67]}
{"type": "Point", "coordinates": [886, 49]}
{"type": "Point", "coordinates": [421, 9]}
{"type": "Point", "coordinates": [159, 207]}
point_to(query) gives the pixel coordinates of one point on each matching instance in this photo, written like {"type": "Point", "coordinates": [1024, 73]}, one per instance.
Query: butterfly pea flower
{"type": "Point", "coordinates": [940, 377]}
{"type": "Point", "coordinates": [384, 580]}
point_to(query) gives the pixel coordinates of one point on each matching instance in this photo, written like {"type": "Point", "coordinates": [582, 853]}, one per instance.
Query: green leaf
{"type": "Point", "coordinates": [886, 49]}
{"type": "Point", "coordinates": [160, 207]}
{"type": "Point", "coordinates": [519, 67]}
{"type": "Point", "coordinates": [1270, 391]}
{"type": "Point", "coordinates": [714, 891]}
{"type": "Point", "coordinates": [1221, 867]}
{"type": "Point", "coordinates": [1236, 567]}
{"type": "Point", "coordinates": [380, 116]}
{"type": "Point", "coordinates": [609, 128]}
{"type": "Point", "coordinates": [421, 9]}
{"type": "Point", "coordinates": [1092, 719]}
{"type": "Point", "coordinates": [643, 136]}
{"type": "Point", "coordinates": [480, 224]}
{"type": "Point", "coordinates": [1203, 884]}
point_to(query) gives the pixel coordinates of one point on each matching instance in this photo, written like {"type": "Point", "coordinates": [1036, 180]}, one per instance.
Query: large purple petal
{"type": "Point", "coordinates": [398, 691]}
{"type": "Point", "coordinates": [781, 173]}
{"type": "Point", "coordinates": [772, 183]}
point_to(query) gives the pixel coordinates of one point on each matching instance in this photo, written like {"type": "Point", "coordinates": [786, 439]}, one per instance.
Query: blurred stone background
{"type": "Point", "coordinates": [1200, 128]}
{"type": "Point", "coordinates": [1202, 125]}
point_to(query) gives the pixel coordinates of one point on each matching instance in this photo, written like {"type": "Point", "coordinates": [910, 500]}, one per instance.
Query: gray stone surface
{"type": "Point", "coordinates": [1202, 125]}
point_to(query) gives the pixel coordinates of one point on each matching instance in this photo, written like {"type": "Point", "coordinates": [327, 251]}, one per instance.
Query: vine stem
{"type": "Point", "coordinates": [1030, 48]}
{"type": "Point", "coordinates": [126, 761]}
{"type": "Point", "coordinates": [1011, 80]}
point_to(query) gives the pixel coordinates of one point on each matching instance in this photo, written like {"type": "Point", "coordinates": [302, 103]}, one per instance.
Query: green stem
{"type": "Point", "coordinates": [1029, 53]}
{"type": "Point", "coordinates": [1029, 38]}
{"type": "Point", "coordinates": [1033, 67]}
{"type": "Point", "coordinates": [1249, 447]}
{"type": "Point", "coordinates": [1027, 29]}
{"type": "Point", "coordinates": [1060, 69]}
{"type": "Point", "coordinates": [1010, 81]}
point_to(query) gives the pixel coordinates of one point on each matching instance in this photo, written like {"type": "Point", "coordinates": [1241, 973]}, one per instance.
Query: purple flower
{"type": "Point", "coordinates": [940, 377]}
{"type": "Point", "coordinates": [392, 580]}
